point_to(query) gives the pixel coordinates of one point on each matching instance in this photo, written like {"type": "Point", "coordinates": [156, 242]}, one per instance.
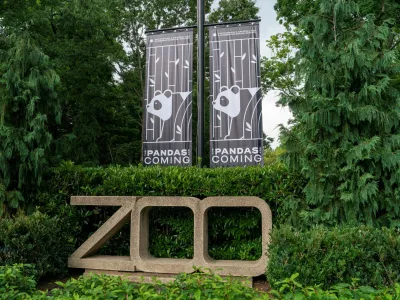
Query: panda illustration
{"type": "Point", "coordinates": [228, 101]}
{"type": "Point", "coordinates": [162, 106]}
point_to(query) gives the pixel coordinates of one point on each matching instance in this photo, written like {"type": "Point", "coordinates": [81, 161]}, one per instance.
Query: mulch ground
{"type": "Point", "coordinates": [50, 283]}
{"type": "Point", "coordinates": [261, 284]}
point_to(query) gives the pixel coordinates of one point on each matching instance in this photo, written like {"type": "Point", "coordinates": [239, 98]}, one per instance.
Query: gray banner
{"type": "Point", "coordinates": [167, 128]}
{"type": "Point", "coordinates": [236, 134]}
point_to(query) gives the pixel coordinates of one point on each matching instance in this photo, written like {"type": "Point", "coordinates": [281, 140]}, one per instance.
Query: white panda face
{"type": "Point", "coordinates": [228, 101]}
{"type": "Point", "coordinates": [161, 106]}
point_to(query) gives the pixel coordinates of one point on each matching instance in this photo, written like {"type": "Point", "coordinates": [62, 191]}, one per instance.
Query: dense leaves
{"type": "Point", "coordinates": [27, 101]}
{"type": "Point", "coordinates": [234, 10]}
{"type": "Point", "coordinates": [17, 281]}
{"type": "Point", "coordinates": [40, 240]}
{"type": "Point", "coordinates": [234, 233]}
{"type": "Point", "coordinates": [330, 256]}
{"type": "Point", "coordinates": [194, 286]}
{"type": "Point", "coordinates": [280, 188]}
{"type": "Point", "coordinates": [345, 133]}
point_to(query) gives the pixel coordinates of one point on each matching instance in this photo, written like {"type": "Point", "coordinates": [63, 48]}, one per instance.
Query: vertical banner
{"type": "Point", "coordinates": [167, 119]}
{"type": "Point", "coordinates": [236, 135]}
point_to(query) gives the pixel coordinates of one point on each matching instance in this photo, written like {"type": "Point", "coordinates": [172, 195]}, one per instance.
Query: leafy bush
{"type": "Point", "coordinates": [36, 239]}
{"type": "Point", "coordinates": [16, 282]}
{"type": "Point", "coordinates": [17, 277]}
{"type": "Point", "coordinates": [172, 233]}
{"type": "Point", "coordinates": [291, 289]}
{"type": "Point", "coordinates": [330, 256]}
{"type": "Point", "coordinates": [195, 286]}
{"type": "Point", "coordinates": [192, 286]}
{"type": "Point", "coordinates": [272, 183]}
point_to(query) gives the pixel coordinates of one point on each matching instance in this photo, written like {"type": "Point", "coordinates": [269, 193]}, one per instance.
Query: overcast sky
{"type": "Point", "coordinates": [272, 115]}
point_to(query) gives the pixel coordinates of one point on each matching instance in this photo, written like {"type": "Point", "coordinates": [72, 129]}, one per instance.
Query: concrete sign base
{"type": "Point", "coordinates": [145, 277]}
{"type": "Point", "coordinates": [137, 210]}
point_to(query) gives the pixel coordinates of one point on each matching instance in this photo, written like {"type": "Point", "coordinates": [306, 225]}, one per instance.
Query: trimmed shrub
{"type": "Point", "coordinates": [172, 233]}
{"type": "Point", "coordinates": [280, 188]}
{"type": "Point", "coordinates": [36, 239]}
{"type": "Point", "coordinates": [329, 256]}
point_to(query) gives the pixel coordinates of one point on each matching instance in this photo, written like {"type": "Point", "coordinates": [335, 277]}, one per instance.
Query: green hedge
{"type": "Point", "coordinates": [328, 256]}
{"type": "Point", "coordinates": [234, 234]}
{"type": "Point", "coordinates": [14, 285]}
{"type": "Point", "coordinates": [275, 184]}
{"type": "Point", "coordinates": [37, 239]}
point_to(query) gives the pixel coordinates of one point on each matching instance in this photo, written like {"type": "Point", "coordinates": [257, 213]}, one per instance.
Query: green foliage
{"type": "Point", "coordinates": [278, 70]}
{"type": "Point", "coordinates": [82, 39]}
{"type": "Point", "coordinates": [234, 10]}
{"type": "Point", "coordinates": [193, 286]}
{"type": "Point", "coordinates": [272, 157]}
{"type": "Point", "coordinates": [291, 12]}
{"type": "Point", "coordinates": [234, 233]}
{"type": "Point", "coordinates": [27, 102]}
{"type": "Point", "coordinates": [330, 256]}
{"type": "Point", "coordinates": [16, 281]}
{"type": "Point", "coordinates": [186, 286]}
{"type": "Point", "coordinates": [272, 183]}
{"type": "Point", "coordinates": [37, 239]}
{"type": "Point", "coordinates": [345, 137]}
{"type": "Point", "coordinates": [290, 288]}
{"type": "Point", "coordinates": [96, 287]}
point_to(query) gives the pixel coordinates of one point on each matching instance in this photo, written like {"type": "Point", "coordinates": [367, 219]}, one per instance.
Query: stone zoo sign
{"type": "Point", "coordinates": [136, 209]}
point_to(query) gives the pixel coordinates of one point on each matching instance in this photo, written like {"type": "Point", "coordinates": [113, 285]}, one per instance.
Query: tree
{"type": "Point", "coordinates": [278, 71]}
{"type": "Point", "coordinates": [83, 43]}
{"type": "Point", "coordinates": [234, 10]}
{"type": "Point", "coordinates": [80, 38]}
{"type": "Point", "coordinates": [345, 137]}
{"type": "Point", "coordinates": [28, 101]}
{"type": "Point", "coordinates": [267, 142]}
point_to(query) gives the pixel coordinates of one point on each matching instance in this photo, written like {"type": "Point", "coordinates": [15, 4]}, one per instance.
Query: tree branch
{"type": "Point", "coordinates": [395, 45]}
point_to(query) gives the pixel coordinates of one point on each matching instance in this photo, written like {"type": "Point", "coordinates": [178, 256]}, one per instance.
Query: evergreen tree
{"type": "Point", "coordinates": [27, 101]}
{"type": "Point", "coordinates": [346, 133]}
{"type": "Point", "coordinates": [234, 10]}
{"type": "Point", "coordinates": [81, 38]}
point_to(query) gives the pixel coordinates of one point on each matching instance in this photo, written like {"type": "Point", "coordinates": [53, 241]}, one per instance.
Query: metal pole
{"type": "Point", "coordinates": [200, 81]}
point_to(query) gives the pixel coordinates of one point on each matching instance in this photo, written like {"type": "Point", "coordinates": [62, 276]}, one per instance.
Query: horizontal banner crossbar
{"type": "Point", "coordinates": [206, 25]}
